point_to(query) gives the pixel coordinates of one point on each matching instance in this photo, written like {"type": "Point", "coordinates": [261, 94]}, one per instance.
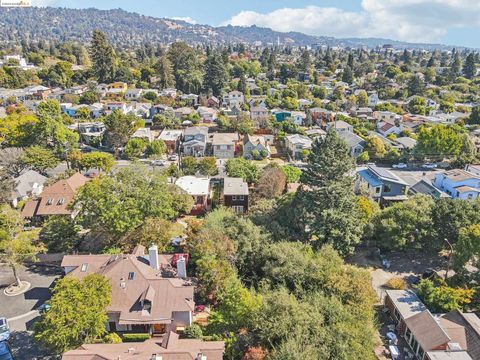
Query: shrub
{"type": "Point", "coordinates": [194, 332]}
{"type": "Point", "coordinates": [396, 284]}
{"type": "Point", "coordinates": [135, 337]}
{"type": "Point", "coordinates": [113, 338]}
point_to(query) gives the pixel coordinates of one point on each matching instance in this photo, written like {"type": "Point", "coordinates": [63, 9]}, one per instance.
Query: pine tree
{"type": "Point", "coordinates": [215, 74]}
{"type": "Point", "coordinates": [333, 215]}
{"type": "Point", "coordinates": [470, 68]}
{"type": "Point", "coordinates": [103, 57]}
{"type": "Point", "coordinates": [347, 75]}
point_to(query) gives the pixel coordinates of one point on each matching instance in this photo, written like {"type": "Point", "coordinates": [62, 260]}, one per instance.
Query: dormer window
{"type": "Point", "coordinates": [84, 267]}
{"type": "Point", "coordinates": [61, 201]}
{"type": "Point", "coordinates": [131, 276]}
{"type": "Point", "coordinates": [50, 201]}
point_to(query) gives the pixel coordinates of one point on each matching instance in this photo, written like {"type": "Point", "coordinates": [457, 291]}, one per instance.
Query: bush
{"type": "Point", "coordinates": [194, 332]}
{"type": "Point", "coordinates": [135, 337]}
{"type": "Point", "coordinates": [396, 284]}
{"type": "Point", "coordinates": [112, 338]}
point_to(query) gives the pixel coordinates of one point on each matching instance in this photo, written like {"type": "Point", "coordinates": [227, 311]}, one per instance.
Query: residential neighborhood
{"type": "Point", "coordinates": [190, 192]}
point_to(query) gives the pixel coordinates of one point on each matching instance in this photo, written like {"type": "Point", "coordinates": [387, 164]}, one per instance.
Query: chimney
{"type": "Point", "coordinates": [181, 267]}
{"type": "Point", "coordinates": [153, 256]}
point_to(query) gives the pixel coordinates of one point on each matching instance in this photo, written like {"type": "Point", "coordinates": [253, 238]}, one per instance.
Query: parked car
{"type": "Point", "coordinates": [429, 166]}
{"type": "Point", "coordinates": [4, 329]}
{"type": "Point", "coordinates": [400, 166]}
{"type": "Point", "coordinates": [173, 157]}
{"type": "Point", "coordinates": [158, 163]}
{"type": "Point", "coordinates": [5, 352]}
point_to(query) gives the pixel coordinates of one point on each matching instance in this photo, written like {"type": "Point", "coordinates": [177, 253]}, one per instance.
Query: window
{"type": "Point", "coordinates": [387, 188]}
{"type": "Point", "coordinates": [84, 267]}
{"type": "Point", "coordinates": [131, 276]}
{"type": "Point", "coordinates": [238, 197]}
{"type": "Point", "coordinates": [50, 201]}
{"type": "Point", "coordinates": [378, 189]}
{"type": "Point", "coordinates": [61, 201]}
{"type": "Point", "coordinates": [238, 209]}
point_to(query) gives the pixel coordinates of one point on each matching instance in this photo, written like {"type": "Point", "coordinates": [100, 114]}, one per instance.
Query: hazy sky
{"type": "Point", "coordinates": [455, 22]}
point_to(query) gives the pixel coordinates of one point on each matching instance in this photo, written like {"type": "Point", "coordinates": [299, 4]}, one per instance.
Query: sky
{"type": "Point", "coordinates": [451, 22]}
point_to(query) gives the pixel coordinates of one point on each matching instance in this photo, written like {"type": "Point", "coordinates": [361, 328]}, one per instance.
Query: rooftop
{"type": "Point", "coordinates": [193, 185]}
{"type": "Point", "coordinates": [235, 186]}
{"type": "Point", "coordinates": [407, 302]}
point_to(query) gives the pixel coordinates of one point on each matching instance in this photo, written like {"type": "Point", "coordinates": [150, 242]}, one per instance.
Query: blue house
{"type": "Point", "coordinates": [282, 115]}
{"type": "Point", "coordinates": [383, 184]}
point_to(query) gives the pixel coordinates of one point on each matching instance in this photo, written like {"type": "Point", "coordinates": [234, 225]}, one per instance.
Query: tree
{"type": "Point", "coordinates": [89, 98]}
{"type": "Point", "coordinates": [441, 298]}
{"type": "Point", "coordinates": [208, 166]}
{"type": "Point", "coordinates": [417, 105]}
{"type": "Point", "coordinates": [375, 147]}
{"type": "Point", "coordinates": [292, 173]}
{"type": "Point", "coordinates": [416, 85]}
{"type": "Point", "coordinates": [60, 234]}
{"type": "Point", "coordinates": [98, 160]}
{"type": "Point", "coordinates": [123, 201]}
{"type": "Point", "coordinates": [348, 75]}
{"type": "Point", "coordinates": [156, 149]}
{"type": "Point", "coordinates": [164, 71]}
{"type": "Point", "coordinates": [362, 98]}
{"type": "Point", "coordinates": [189, 165]}
{"type": "Point", "coordinates": [242, 168]}
{"type": "Point", "coordinates": [119, 128]}
{"type": "Point", "coordinates": [470, 68]}
{"type": "Point", "coordinates": [329, 199]}
{"type": "Point", "coordinates": [403, 225]}
{"type": "Point", "coordinates": [186, 67]}
{"type": "Point", "coordinates": [215, 74]}
{"type": "Point", "coordinates": [7, 186]}
{"type": "Point", "coordinates": [78, 313]}
{"type": "Point", "coordinates": [467, 249]}
{"type": "Point", "coordinates": [272, 183]}
{"type": "Point", "coordinates": [438, 141]}
{"type": "Point", "coordinates": [11, 159]}
{"type": "Point", "coordinates": [16, 246]}
{"type": "Point", "coordinates": [474, 118]}
{"type": "Point", "coordinates": [103, 57]}
{"type": "Point", "coordinates": [40, 159]}
{"type": "Point", "coordinates": [135, 148]}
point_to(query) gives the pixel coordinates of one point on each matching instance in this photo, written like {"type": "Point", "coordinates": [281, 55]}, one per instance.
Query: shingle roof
{"type": "Point", "coordinates": [235, 186]}
{"type": "Point", "coordinates": [427, 331]}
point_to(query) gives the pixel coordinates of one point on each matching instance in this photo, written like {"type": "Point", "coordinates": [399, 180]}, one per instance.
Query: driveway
{"type": "Point", "coordinates": [21, 309]}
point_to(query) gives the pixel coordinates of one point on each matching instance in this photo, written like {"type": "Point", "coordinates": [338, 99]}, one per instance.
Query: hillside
{"type": "Point", "coordinates": [128, 29]}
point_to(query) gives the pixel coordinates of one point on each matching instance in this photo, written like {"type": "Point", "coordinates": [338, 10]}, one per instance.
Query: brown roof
{"type": "Point", "coordinates": [171, 348]}
{"type": "Point", "coordinates": [30, 208]}
{"type": "Point", "coordinates": [55, 198]}
{"type": "Point", "coordinates": [166, 294]}
{"type": "Point", "coordinates": [471, 324]}
{"type": "Point", "coordinates": [427, 331]}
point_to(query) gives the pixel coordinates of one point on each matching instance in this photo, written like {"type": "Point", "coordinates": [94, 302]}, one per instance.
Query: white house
{"type": "Point", "coordinates": [459, 184]}
{"type": "Point", "coordinates": [373, 99]}
{"type": "Point", "coordinates": [296, 144]}
{"type": "Point", "coordinates": [233, 98]}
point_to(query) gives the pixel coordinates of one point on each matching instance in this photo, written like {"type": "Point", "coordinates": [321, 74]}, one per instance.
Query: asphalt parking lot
{"type": "Point", "coordinates": [21, 310]}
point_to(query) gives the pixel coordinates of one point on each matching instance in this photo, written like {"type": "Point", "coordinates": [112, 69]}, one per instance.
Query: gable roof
{"type": "Point", "coordinates": [385, 175]}
{"type": "Point", "coordinates": [225, 138]}
{"type": "Point", "coordinates": [24, 183]}
{"type": "Point", "coordinates": [351, 139]}
{"type": "Point", "coordinates": [235, 186]}
{"type": "Point", "coordinates": [427, 331]}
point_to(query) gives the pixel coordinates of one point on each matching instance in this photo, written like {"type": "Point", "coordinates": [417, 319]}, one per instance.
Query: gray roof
{"type": "Point", "coordinates": [196, 130]}
{"type": "Point", "coordinates": [406, 142]}
{"type": "Point", "coordinates": [235, 186]}
{"type": "Point", "coordinates": [424, 187]}
{"type": "Point", "coordinates": [26, 180]}
{"type": "Point", "coordinates": [406, 302]}
{"type": "Point", "coordinates": [385, 175]}
{"type": "Point", "coordinates": [448, 355]}
{"type": "Point", "coordinates": [351, 139]}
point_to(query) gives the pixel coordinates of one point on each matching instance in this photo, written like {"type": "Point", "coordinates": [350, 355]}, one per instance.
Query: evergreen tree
{"type": "Point", "coordinates": [333, 215]}
{"type": "Point", "coordinates": [103, 57]}
{"type": "Point", "coordinates": [470, 68]}
{"type": "Point", "coordinates": [416, 86]}
{"type": "Point", "coordinates": [215, 74]}
{"type": "Point", "coordinates": [347, 75]}
{"type": "Point", "coordinates": [164, 71]}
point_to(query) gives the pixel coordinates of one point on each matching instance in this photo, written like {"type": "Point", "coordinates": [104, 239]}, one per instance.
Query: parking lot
{"type": "Point", "coordinates": [21, 310]}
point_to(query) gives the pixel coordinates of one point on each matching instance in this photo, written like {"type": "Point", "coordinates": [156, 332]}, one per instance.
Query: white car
{"type": "Point", "coordinates": [429, 166]}
{"type": "Point", "coordinates": [400, 166]}
{"type": "Point", "coordinates": [158, 163]}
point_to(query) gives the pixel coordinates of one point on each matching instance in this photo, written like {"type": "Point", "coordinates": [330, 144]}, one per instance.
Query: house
{"type": "Point", "coordinates": [168, 92]}
{"type": "Point", "coordinates": [160, 110]}
{"type": "Point", "coordinates": [454, 335]}
{"type": "Point", "coordinates": [405, 142]}
{"type": "Point", "coordinates": [259, 113]}
{"type": "Point", "coordinates": [386, 128]}
{"type": "Point", "coordinates": [213, 101]}
{"type": "Point", "coordinates": [281, 115]}
{"type": "Point", "coordinates": [373, 99]}
{"type": "Point", "coordinates": [386, 116]}
{"type": "Point", "coordinates": [234, 98]}
{"type": "Point", "coordinates": [383, 184]}
{"type": "Point", "coordinates": [91, 132]}
{"type": "Point", "coordinates": [117, 88]}
{"type": "Point", "coordinates": [255, 142]}
{"type": "Point", "coordinates": [171, 138]}
{"type": "Point", "coordinates": [190, 99]}
{"type": "Point", "coordinates": [183, 112]}
{"type": "Point", "coordinates": [298, 117]}
{"type": "Point", "coordinates": [195, 141]}
{"type": "Point", "coordinates": [425, 187]}
{"type": "Point", "coordinates": [199, 189]}
{"type": "Point", "coordinates": [340, 126]}
{"type": "Point", "coordinates": [459, 184]}
{"type": "Point", "coordinates": [207, 114]}
{"type": "Point", "coordinates": [225, 145]}
{"type": "Point", "coordinates": [320, 115]}
{"type": "Point", "coordinates": [304, 103]}
{"type": "Point", "coordinates": [170, 347]}
{"type": "Point", "coordinates": [133, 94]}
{"type": "Point", "coordinates": [235, 194]}
{"type": "Point", "coordinates": [150, 292]}
{"type": "Point", "coordinates": [55, 199]}
{"type": "Point", "coordinates": [473, 169]}
{"type": "Point", "coordinates": [28, 184]}
{"type": "Point", "coordinates": [117, 105]}
{"type": "Point", "coordinates": [143, 133]}
{"type": "Point", "coordinates": [356, 144]}
{"type": "Point", "coordinates": [297, 145]}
